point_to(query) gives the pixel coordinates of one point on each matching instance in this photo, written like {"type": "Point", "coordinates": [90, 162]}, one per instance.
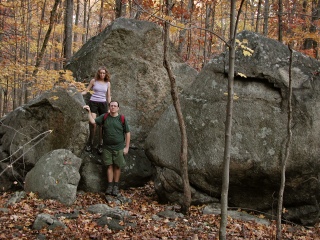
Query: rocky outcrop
{"type": "Point", "coordinates": [54, 120]}
{"type": "Point", "coordinates": [132, 51]}
{"type": "Point", "coordinates": [259, 131]}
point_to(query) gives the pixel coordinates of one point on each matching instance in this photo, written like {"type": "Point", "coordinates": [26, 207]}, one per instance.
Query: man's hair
{"type": "Point", "coordinates": [114, 101]}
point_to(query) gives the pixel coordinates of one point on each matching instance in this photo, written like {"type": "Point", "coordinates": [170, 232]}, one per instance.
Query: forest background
{"type": "Point", "coordinates": [37, 37]}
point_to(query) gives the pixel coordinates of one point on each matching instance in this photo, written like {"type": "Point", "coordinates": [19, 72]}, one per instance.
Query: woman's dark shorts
{"type": "Point", "coordinates": [98, 107]}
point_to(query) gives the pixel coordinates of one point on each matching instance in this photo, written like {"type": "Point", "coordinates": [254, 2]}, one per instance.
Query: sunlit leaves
{"type": "Point", "coordinates": [246, 51]}
{"type": "Point", "coordinates": [235, 96]}
{"type": "Point", "coordinates": [242, 75]}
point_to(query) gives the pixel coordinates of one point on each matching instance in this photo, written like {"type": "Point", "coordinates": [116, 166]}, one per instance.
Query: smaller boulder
{"type": "Point", "coordinates": [47, 221]}
{"type": "Point", "coordinates": [55, 176]}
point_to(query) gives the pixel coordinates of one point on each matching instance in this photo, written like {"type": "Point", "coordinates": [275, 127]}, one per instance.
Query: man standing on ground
{"type": "Point", "coordinates": [116, 141]}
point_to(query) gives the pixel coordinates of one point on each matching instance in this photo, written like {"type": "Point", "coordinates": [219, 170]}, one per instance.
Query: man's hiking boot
{"type": "Point", "coordinates": [109, 190]}
{"type": "Point", "coordinates": [100, 149]}
{"type": "Point", "coordinates": [88, 148]}
{"type": "Point", "coordinates": [115, 191]}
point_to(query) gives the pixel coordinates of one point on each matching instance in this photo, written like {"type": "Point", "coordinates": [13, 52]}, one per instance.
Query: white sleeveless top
{"type": "Point", "coordinates": [99, 91]}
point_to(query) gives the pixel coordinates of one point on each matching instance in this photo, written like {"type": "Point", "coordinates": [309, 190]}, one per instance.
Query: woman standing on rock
{"type": "Point", "coordinates": [98, 103]}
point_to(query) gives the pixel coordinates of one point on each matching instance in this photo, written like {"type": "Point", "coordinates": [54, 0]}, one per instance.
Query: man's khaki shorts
{"type": "Point", "coordinates": [113, 157]}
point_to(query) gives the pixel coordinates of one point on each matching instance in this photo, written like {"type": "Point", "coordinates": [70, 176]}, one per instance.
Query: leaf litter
{"type": "Point", "coordinates": [16, 222]}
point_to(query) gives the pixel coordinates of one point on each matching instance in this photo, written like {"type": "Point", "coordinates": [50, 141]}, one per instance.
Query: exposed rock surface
{"type": "Point", "coordinates": [55, 176]}
{"type": "Point", "coordinates": [55, 120]}
{"type": "Point", "coordinates": [259, 131]}
{"type": "Point", "coordinates": [132, 51]}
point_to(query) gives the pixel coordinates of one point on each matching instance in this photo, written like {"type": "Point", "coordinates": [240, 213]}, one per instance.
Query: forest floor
{"type": "Point", "coordinates": [17, 222]}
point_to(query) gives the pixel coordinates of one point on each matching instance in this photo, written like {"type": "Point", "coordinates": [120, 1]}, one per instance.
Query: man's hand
{"type": "Point", "coordinates": [86, 107]}
{"type": "Point", "coordinates": [125, 150]}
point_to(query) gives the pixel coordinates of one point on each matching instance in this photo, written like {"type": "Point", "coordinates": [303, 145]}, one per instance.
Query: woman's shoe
{"type": "Point", "coordinates": [88, 148]}
{"type": "Point", "coordinates": [100, 149]}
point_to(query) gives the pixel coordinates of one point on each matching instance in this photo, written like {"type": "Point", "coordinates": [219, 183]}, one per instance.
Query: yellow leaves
{"type": "Point", "coordinates": [168, 18]}
{"type": "Point", "coordinates": [32, 195]}
{"type": "Point", "coordinates": [54, 98]}
{"type": "Point", "coordinates": [247, 52]}
{"type": "Point", "coordinates": [235, 97]}
{"type": "Point", "coordinates": [242, 75]}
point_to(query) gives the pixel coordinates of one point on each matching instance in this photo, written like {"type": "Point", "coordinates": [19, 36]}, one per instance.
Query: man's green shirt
{"type": "Point", "coordinates": [113, 132]}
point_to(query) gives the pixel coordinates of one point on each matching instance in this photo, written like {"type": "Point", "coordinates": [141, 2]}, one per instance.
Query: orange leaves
{"type": "Point", "coordinates": [17, 222]}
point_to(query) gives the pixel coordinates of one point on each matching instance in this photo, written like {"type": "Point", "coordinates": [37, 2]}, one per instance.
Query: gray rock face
{"type": "Point", "coordinates": [132, 51]}
{"type": "Point", "coordinates": [259, 130]}
{"type": "Point", "coordinates": [55, 120]}
{"type": "Point", "coordinates": [55, 176]}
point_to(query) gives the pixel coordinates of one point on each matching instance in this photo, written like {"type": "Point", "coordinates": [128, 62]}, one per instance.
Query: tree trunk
{"type": "Point", "coordinates": [228, 126]}
{"type": "Point", "coordinates": [68, 24]}
{"type": "Point", "coordinates": [211, 41]}
{"type": "Point", "coordinates": [280, 23]}
{"type": "Point", "coordinates": [84, 24]}
{"type": "Point", "coordinates": [310, 43]}
{"type": "Point", "coordinates": [46, 39]}
{"type": "Point", "coordinates": [1, 102]}
{"type": "Point", "coordinates": [57, 53]}
{"type": "Point", "coordinates": [118, 8]}
{"type": "Point", "coordinates": [184, 20]}
{"type": "Point", "coordinates": [137, 4]}
{"type": "Point", "coordinates": [75, 35]}
{"type": "Point", "coordinates": [285, 160]}
{"type": "Point", "coordinates": [266, 18]}
{"type": "Point", "coordinates": [258, 16]}
{"type": "Point", "coordinates": [207, 26]}
{"type": "Point", "coordinates": [176, 103]}
{"type": "Point", "coordinates": [88, 21]}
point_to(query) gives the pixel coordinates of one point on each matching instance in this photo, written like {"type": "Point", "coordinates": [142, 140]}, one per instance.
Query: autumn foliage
{"type": "Point", "coordinates": [195, 27]}
{"type": "Point", "coordinates": [17, 222]}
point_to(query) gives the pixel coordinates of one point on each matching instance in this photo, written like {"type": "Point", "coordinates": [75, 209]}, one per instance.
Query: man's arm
{"type": "Point", "coordinates": [126, 149]}
{"type": "Point", "coordinates": [91, 120]}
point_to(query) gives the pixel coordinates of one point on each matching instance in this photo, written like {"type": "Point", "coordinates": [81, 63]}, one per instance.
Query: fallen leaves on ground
{"type": "Point", "coordinates": [17, 222]}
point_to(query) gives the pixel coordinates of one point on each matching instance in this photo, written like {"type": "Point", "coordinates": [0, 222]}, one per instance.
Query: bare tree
{"type": "Point", "coordinates": [101, 15]}
{"type": "Point", "coordinates": [207, 26]}
{"type": "Point", "coordinates": [258, 16]}
{"type": "Point", "coordinates": [76, 23]}
{"type": "Point", "coordinates": [46, 39]}
{"type": "Point", "coordinates": [118, 8]}
{"type": "Point", "coordinates": [311, 43]}
{"type": "Point", "coordinates": [84, 22]}
{"type": "Point", "coordinates": [68, 26]}
{"type": "Point", "coordinates": [285, 160]}
{"type": "Point", "coordinates": [266, 17]}
{"type": "Point", "coordinates": [176, 103]}
{"type": "Point", "coordinates": [229, 113]}
{"type": "Point", "coordinates": [184, 19]}
{"type": "Point", "coordinates": [280, 23]}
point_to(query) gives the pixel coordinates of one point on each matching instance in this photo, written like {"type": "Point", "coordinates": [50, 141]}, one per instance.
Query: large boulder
{"type": "Point", "coordinates": [132, 51]}
{"type": "Point", "coordinates": [55, 176]}
{"type": "Point", "coordinates": [259, 130]}
{"type": "Point", "coordinates": [54, 120]}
